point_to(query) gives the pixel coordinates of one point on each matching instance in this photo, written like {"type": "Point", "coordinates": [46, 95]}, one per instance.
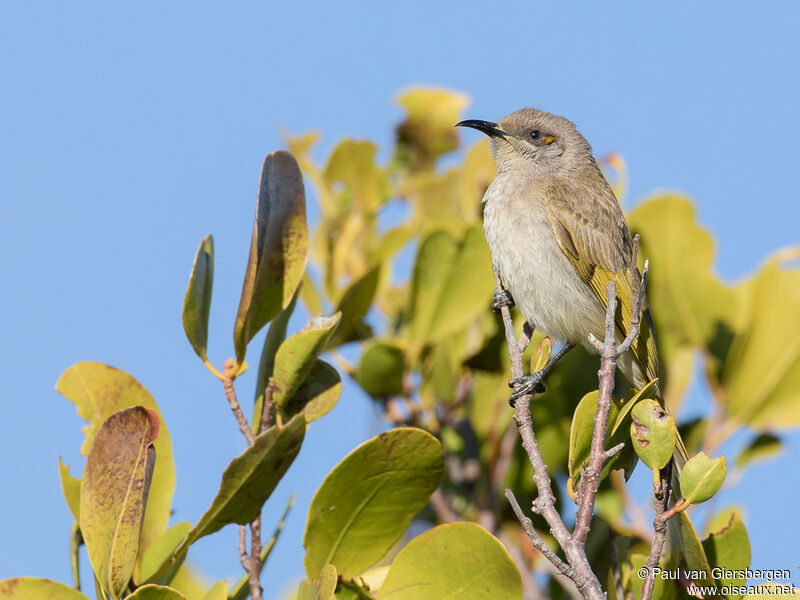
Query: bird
{"type": "Point", "coordinates": [558, 236]}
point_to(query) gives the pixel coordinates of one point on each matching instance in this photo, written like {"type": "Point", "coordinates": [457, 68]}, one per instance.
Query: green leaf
{"type": "Point", "coordinates": [308, 590]}
{"type": "Point", "coordinates": [297, 355]}
{"type": "Point", "coordinates": [663, 589]}
{"type": "Point", "coordinates": [317, 395]}
{"type": "Point", "coordinates": [197, 302]}
{"type": "Point", "coordinates": [218, 591]}
{"type": "Point", "coordinates": [380, 370]}
{"type": "Point", "coordinates": [71, 487]}
{"type": "Point", "coordinates": [156, 592]}
{"type": "Point", "coordinates": [460, 560]}
{"type": "Point", "coordinates": [693, 554]}
{"type": "Point", "coordinates": [580, 433]}
{"type": "Point", "coordinates": [761, 372]}
{"type": "Point", "coordinates": [763, 446]}
{"type": "Point", "coordinates": [653, 433]}
{"type": "Point", "coordinates": [159, 553]}
{"type": "Point", "coordinates": [354, 305]}
{"type": "Point", "coordinates": [28, 588]}
{"type": "Point", "coordinates": [687, 299]}
{"type": "Point", "coordinates": [250, 478]}
{"type": "Point", "coordinates": [451, 286]}
{"type": "Point", "coordinates": [729, 548]}
{"type": "Point", "coordinates": [98, 391]}
{"type": "Point", "coordinates": [431, 270]}
{"type": "Point", "coordinates": [428, 131]}
{"type": "Point", "coordinates": [541, 355]}
{"type": "Point", "coordinates": [278, 249]}
{"type": "Point", "coordinates": [328, 578]}
{"type": "Point", "coordinates": [352, 163]}
{"type": "Point", "coordinates": [468, 288]}
{"type": "Point", "coordinates": [114, 491]}
{"type": "Point", "coordinates": [274, 338]}
{"type": "Point", "coordinates": [366, 503]}
{"type": "Point", "coordinates": [702, 477]}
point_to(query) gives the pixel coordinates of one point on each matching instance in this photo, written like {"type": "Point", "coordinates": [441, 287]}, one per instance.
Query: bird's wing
{"type": "Point", "coordinates": [594, 236]}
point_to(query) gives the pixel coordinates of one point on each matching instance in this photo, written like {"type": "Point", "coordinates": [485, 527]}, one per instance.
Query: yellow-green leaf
{"type": "Point", "coordinates": [433, 266]}
{"type": "Point", "coordinates": [98, 391]}
{"type": "Point", "coordinates": [541, 355]}
{"type": "Point", "coordinates": [274, 338]}
{"type": "Point", "coordinates": [428, 130]}
{"type": "Point", "coordinates": [457, 561]}
{"type": "Point", "coordinates": [250, 478]}
{"type": "Point", "coordinates": [352, 163]}
{"type": "Point", "coordinates": [296, 356]}
{"type": "Point", "coordinates": [218, 591]}
{"type": "Point", "coordinates": [114, 490]}
{"type": "Point", "coordinates": [761, 373]}
{"type": "Point", "coordinates": [328, 579]}
{"type": "Point", "coordinates": [468, 288]}
{"type": "Point", "coordinates": [653, 433]}
{"type": "Point", "coordinates": [380, 369]}
{"type": "Point", "coordinates": [663, 589]}
{"type": "Point", "coordinates": [35, 588]}
{"type": "Point", "coordinates": [693, 554]}
{"type": "Point", "coordinates": [197, 302]}
{"type": "Point", "coordinates": [71, 487]}
{"type": "Point", "coordinates": [278, 249]}
{"type": "Point", "coordinates": [156, 592]}
{"type": "Point", "coordinates": [702, 477]}
{"type": "Point", "coordinates": [580, 435]}
{"type": "Point", "coordinates": [353, 306]}
{"type": "Point", "coordinates": [686, 297]}
{"type": "Point", "coordinates": [368, 500]}
{"type": "Point", "coordinates": [760, 448]}
{"type": "Point", "coordinates": [317, 395]}
{"type": "Point", "coordinates": [729, 548]}
{"type": "Point", "coordinates": [158, 554]}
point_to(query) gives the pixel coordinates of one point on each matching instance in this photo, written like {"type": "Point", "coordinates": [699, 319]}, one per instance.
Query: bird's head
{"type": "Point", "coordinates": [535, 141]}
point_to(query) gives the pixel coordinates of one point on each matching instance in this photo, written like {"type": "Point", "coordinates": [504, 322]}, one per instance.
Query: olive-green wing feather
{"type": "Point", "coordinates": [591, 230]}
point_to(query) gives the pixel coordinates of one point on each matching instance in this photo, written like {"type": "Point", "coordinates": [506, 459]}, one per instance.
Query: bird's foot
{"type": "Point", "coordinates": [501, 299]}
{"type": "Point", "coordinates": [528, 384]}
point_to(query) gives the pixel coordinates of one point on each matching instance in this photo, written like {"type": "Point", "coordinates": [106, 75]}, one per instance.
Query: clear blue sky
{"type": "Point", "coordinates": [129, 131]}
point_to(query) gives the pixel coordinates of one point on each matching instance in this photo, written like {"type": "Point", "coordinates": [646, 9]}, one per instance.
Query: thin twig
{"type": "Point", "coordinates": [243, 557]}
{"type": "Point", "coordinates": [536, 540]}
{"type": "Point", "coordinates": [255, 559]}
{"type": "Point", "coordinates": [251, 564]}
{"type": "Point", "coordinates": [229, 371]}
{"type": "Point", "coordinates": [75, 541]}
{"type": "Point", "coordinates": [661, 501]}
{"type": "Point", "coordinates": [268, 406]}
{"type": "Point", "coordinates": [441, 506]}
{"type": "Point", "coordinates": [581, 572]}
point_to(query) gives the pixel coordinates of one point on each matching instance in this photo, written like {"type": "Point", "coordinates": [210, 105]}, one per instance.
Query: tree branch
{"type": "Point", "coordinates": [229, 373]}
{"type": "Point", "coordinates": [251, 564]}
{"type": "Point", "coordinates": [579, 570]}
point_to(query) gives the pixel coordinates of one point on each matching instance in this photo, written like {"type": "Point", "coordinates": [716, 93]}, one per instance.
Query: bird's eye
{"type": "Point", "coordinates": [536, 135]}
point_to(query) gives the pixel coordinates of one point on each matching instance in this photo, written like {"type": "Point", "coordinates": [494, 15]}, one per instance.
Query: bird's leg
{"type": "Point", "coordinates": [501, 299]}
{"type": "Point", "coordinates": [532, 383]}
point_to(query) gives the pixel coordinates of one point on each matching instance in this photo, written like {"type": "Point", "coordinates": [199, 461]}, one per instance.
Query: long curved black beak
{"type": "Point", "coordinates": [487, 127]}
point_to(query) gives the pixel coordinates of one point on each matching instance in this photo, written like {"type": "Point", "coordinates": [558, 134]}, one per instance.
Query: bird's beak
{"type": "Point", "coordinates": [487, 127]}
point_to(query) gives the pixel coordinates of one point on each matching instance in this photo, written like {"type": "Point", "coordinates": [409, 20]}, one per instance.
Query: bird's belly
{"type": "Point", "coordinates": [545, 285]}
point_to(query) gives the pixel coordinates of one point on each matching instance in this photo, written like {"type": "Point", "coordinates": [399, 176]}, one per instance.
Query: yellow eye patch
{"type": "Point", "coordinates": [548, 140]}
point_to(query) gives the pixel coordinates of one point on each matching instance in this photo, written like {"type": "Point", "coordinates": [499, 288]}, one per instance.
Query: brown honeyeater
{"type": "Point", "coordinates": [558, 236]}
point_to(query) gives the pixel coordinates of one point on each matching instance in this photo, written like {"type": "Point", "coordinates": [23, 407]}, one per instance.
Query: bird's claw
{"type": "Point", "coordinates": [528, 384]}
{"type": "Point", "coordinates": [501, 299]}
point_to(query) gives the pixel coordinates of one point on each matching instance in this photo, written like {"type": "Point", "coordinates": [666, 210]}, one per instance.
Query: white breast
{"type": "Point", "coordinates": [544, 283]}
